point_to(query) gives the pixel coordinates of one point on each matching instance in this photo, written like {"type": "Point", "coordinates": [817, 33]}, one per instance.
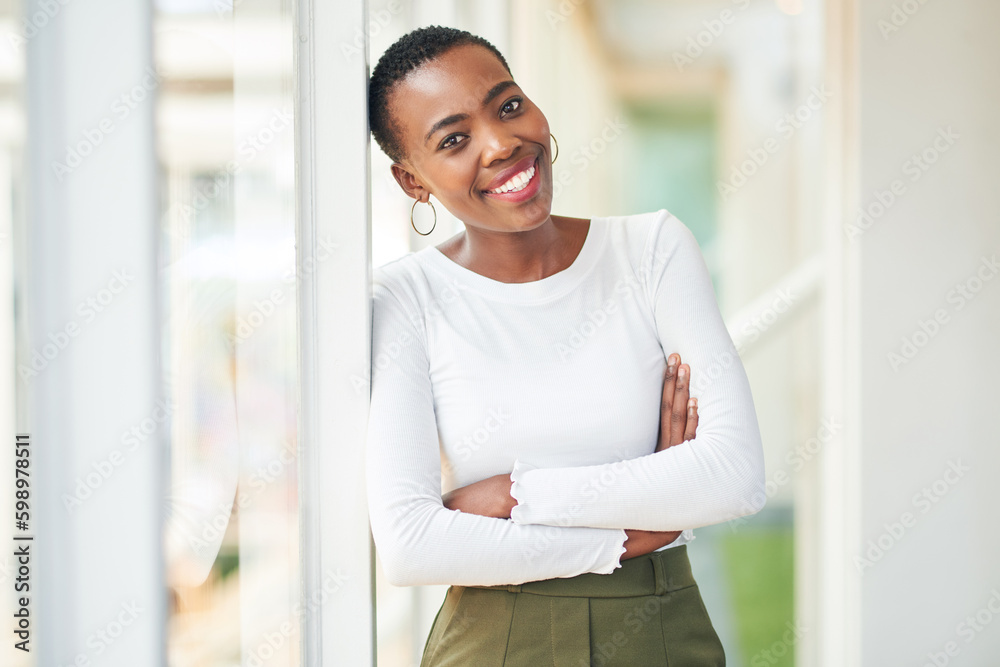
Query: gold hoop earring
{"type": "Point", "coordinates": [415, 202]}
{"type": "Point", "coordinates": [557, 147]}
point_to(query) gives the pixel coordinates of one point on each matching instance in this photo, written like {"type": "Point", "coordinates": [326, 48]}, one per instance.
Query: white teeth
{"type": "Point", "coordinates": [516, 183]}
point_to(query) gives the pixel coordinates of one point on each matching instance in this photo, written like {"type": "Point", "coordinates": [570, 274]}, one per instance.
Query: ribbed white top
{"type": "Point", "coordinates": [557, 382]}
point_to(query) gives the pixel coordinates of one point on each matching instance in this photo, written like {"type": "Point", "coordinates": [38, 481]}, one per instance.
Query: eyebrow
{"type": "Point", "coordinates": [454, 118]}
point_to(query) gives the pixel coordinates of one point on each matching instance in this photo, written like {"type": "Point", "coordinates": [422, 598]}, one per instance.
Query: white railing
{"type": "Point", "coordinates": [767, 314]}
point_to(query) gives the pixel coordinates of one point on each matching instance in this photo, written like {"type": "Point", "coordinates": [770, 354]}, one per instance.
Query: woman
{"type": "Point", "coordinates": [529, 352]}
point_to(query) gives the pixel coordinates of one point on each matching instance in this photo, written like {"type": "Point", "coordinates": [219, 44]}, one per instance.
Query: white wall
{"type": "Point", "coordinates": [938, 70]}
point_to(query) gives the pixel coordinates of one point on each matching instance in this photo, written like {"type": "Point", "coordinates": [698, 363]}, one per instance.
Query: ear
{"type": "Point", "coordinates": [411, 184]}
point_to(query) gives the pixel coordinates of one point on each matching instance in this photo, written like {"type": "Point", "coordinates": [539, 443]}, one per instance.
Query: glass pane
{"type": "Point", "coordinates": [225, 138]}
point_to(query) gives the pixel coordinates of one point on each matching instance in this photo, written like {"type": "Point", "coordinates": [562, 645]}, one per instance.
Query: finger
{"type": "Point", "coordinates": [692, 419]}
{"type": "Point", "coordinates": [667, 402]}
{"type": "Point", "coordinates": [678, 413]}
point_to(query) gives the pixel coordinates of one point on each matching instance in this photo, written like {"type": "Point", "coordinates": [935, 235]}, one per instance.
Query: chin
{"type": "Point", "coordinates": [537, 210]}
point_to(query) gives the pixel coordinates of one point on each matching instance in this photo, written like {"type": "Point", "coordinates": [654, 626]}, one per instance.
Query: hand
{"type": "Point", "coordinates": [640, 542]}
{"type": "Point", "coordinates": [678, 412]}
{"type": "Point", "coordinates": [487, 497]}
{"type": "Point", "coordinates": [678, 422]}
{"type": "Point", "coordinates": [491, 497]}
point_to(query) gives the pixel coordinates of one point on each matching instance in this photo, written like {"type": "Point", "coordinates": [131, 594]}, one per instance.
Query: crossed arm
{"type": "Point", "coordinates": [419, 540]}
{"type": "Point", "coordinates": [555, 528]}
{"type": "Point", "coordinates": [678, 423]}
{"type": "Point", "coordinates": [716, 476]}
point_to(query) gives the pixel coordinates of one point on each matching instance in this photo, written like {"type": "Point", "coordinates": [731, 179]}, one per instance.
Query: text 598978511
{"type": "Point", "coordinates": [22, 541]}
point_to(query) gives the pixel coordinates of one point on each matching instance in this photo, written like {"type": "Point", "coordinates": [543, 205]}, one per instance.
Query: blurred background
{"type": "Point", "coordinates": [835, 163]}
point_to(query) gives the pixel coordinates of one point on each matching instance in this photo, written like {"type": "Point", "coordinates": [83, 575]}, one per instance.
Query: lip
{"type": "Point", "coordinates": [505, 175]}
{"type": "Point", "coordinates": [530, 189]}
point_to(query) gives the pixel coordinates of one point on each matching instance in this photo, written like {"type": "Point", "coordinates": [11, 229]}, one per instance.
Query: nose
{"type": "Point", "coordinates": [500, 144]}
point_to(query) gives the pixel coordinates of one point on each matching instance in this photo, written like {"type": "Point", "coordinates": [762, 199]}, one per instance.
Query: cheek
{"type": "Point", "coordinates": [458, 177]}
{"type": "Point", "coordinates": [450, 175]}
{"type": "Point", "coordinates": [537, 119]}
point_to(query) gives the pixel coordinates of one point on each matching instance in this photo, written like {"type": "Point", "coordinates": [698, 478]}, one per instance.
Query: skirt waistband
{"type": "Point", "coordinates": [655, 573]}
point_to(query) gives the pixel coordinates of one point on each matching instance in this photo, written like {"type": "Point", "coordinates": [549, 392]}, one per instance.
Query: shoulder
{"type": "Point", "coordinates": [393, 275]}
{"type": "Point", "coordinates": [411, 287]}
{"type": "Point", "coordinates": [637, 230]}
{"type": "Point", "coordinates": [396, 288]}
{"type": "Point", "coordinates": [667, 234]}
{"type": "Point", "coordinates": [650, 239]}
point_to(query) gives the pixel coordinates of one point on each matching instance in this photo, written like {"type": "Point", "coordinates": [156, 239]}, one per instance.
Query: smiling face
{"type": "Point", "coordinates": [467, 128]}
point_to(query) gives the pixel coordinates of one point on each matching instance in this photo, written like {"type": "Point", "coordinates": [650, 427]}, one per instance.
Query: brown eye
{"type": "Point", "coordinates": [445, 144]}
{"type": "Point", "coordinates": [516, 101]}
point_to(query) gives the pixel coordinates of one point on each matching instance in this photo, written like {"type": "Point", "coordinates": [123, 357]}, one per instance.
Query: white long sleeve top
{"type": "Point", "coordinates": [557, 382]}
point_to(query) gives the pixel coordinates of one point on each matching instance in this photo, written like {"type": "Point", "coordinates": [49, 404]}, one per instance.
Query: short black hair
{"type": "Point", "coordinates": [405, 55]}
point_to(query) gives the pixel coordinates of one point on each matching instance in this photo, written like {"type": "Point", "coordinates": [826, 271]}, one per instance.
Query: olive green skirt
{"type": "Point", "coordinates": [647, 612]}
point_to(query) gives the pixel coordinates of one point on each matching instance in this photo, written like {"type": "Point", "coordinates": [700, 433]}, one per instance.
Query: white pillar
{"type": "Point", "coordinates": [90, 365]}
{"type": "Point", "coordinates": [928, 142]}
{"type": "Point", "coordinates": [835, 596]}
{"type": "Point", "coordinates": [332, 208]}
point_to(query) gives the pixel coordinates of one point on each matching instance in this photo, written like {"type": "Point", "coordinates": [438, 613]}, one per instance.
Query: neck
{"type": "Point", "coordinates": [517, 257]}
